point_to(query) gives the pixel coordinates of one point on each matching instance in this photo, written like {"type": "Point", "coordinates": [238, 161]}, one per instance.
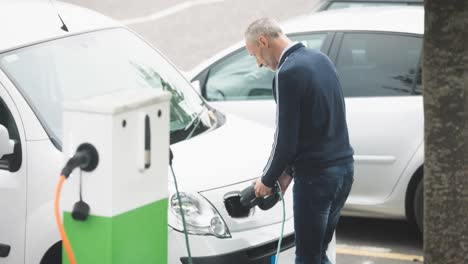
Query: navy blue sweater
{"type": "Point", "coordinates": [311, 131]}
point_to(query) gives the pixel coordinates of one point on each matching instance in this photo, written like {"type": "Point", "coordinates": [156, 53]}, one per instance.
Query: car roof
{"type": "Point", "coordinates": [324, 5]}
{"type": "Point", "coordinates": [378, 1]}
{"type": "Point", "coordinates": [406, 19]}
{"type": "Point", "coordinates": [30, 21]}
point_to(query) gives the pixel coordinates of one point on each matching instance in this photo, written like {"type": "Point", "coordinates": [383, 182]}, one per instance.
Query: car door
{"type": "Point", "coordinates": [12, 185]}
{"type": "Point", "coordinates": [235, 84]}
{"type": "Point", "coordinates": [379, 73]}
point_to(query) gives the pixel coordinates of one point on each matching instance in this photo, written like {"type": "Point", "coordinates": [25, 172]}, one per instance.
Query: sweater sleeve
{"type": "Point", "coordinates": [288, 88]}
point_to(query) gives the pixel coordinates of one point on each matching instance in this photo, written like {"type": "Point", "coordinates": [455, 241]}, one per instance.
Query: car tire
{"type": "Point", "coordinates": [53, 255]}
{"type": "Point", "coordinates": [418, 205]}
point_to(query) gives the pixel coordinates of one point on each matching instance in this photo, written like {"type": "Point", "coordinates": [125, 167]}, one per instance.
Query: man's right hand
{"type": "Point", "coordinates": [284, 181]}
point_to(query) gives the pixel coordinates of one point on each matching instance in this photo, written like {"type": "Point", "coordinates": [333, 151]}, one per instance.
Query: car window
{"type": "Point", "coordinates": [378, 64]}
{"type": "Point", "coordinates": [237, 76]}
{"type": "Point", "coordinates": [312, 41]}
{"type": "Point", "coordinates": [6, 120]}
{"type": "Point", "coordinates": [418, 87]}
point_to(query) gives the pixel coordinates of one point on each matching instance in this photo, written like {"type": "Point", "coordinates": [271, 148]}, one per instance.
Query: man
{"type": "Point", "coordinates": [311, 141]}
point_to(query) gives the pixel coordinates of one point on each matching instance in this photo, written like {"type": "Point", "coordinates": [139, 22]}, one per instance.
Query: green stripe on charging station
{"type": "Point", "coordinates": [136, 236]}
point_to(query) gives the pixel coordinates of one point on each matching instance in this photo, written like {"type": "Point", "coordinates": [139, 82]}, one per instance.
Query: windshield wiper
{"type": "Point", "coordinates": [193, 125]}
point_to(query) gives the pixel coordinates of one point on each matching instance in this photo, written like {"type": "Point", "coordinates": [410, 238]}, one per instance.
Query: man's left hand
{"type": "Point", "coordinates": [261, 189]}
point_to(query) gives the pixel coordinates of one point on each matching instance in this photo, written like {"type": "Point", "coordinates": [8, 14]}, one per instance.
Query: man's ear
{"type": "Point", "coordinates": [263, 42]}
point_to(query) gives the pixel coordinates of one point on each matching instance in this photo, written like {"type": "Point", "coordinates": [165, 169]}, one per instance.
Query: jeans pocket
{"type": "Point", "coordinates": [316, 188]}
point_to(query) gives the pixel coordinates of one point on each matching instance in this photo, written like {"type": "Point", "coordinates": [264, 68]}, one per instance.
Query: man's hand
{"type": "Point", "coordinates": [261, 189]}
{"type": "Point", "coordinates": [284, 181]}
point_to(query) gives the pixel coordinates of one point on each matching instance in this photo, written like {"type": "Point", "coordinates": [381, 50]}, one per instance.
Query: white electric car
{"type": "Point", "coordinates": [377, 53]}
{"type": "Point", "coordinates": [45, 61]}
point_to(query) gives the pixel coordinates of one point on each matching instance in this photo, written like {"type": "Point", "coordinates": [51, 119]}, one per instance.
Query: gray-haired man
{"type": "Point", "coordinates": [311, 141]}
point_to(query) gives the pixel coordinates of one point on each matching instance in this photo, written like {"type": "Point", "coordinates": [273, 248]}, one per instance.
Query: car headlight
{"type": "Point", "coordinates": [201, 218]}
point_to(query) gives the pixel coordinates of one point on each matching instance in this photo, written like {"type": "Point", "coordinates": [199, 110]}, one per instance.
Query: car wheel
{"type": "Point", "coordinates": [418, 205]}
{"type": "Point", "coordinates": [53, 255]}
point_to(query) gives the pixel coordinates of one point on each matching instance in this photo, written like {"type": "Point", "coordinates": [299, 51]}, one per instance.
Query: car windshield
{"type": "Point", "coordinates": [97, 63]}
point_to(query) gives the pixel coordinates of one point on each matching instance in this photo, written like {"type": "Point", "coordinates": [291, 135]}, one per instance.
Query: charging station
{"type": "Point", "coordinates": [127, 192]}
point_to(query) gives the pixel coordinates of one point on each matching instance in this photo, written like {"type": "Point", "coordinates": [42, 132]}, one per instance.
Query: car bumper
{"type": "Point", "coordinates": [254, 246]}
{"type": "Point", "coordinates": [251, 246]}
{"type": "Point", "coordinates": [262, 254]}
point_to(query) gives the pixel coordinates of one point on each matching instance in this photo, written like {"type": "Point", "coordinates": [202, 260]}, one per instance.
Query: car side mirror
{"type": "Point", "coordinates": [196, 86]}
{"type": "Point", "coordinates": [7, 145]}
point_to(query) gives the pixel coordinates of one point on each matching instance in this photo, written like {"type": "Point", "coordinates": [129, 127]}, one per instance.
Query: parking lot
{"type": "Point", "coordinates": [188, 32]}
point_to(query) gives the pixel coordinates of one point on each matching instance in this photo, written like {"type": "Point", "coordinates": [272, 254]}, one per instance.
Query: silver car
{"type": "Point", "coordinates": [377, 53]}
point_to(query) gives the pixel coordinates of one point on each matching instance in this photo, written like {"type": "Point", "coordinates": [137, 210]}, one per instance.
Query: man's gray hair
{"type": "Point", "coordinates": [263, 27]}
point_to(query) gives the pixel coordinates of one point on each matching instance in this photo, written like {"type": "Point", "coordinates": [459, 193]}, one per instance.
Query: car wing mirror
{"type": "Point", "coordinates": [7, 145]}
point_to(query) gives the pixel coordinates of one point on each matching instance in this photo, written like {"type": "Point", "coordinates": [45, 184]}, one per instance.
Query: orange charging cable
{"type": "Point", "coordinates": [66, 242]}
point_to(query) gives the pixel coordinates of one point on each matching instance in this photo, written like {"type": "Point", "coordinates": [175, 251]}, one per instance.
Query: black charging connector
{"type": "Point", "coordinates": [86, 158]}
{"type": "Point", "coordinates": [80, 211]}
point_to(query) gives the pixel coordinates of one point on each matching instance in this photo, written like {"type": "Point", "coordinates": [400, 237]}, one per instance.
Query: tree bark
{"type": "Point", "coordinates": [445, 79]}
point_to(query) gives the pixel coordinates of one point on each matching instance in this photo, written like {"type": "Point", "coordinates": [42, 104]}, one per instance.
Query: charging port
{"type": "Point", "coordinates": [234, 207]}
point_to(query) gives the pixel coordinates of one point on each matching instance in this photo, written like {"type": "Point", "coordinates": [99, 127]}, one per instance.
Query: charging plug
{"type": "Point", "coordinates": [80, 211]}
{"type": "Point", "coordinates": [86, 158]}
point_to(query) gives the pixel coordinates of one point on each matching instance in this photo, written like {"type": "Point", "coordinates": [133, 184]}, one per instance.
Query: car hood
{"type": "Point", "coordinates": [235, 152]}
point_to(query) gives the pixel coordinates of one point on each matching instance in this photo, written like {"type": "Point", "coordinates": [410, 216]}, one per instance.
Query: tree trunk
{"type": "Point", "coordinates": [445, 78]}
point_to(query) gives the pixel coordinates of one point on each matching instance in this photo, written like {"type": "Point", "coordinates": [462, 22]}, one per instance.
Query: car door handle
{"type": "Point", "coordinates": [4, 250]}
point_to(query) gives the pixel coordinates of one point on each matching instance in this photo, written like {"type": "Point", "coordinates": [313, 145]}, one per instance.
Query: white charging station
{"type": "Point", "coordinates": [127, 193]}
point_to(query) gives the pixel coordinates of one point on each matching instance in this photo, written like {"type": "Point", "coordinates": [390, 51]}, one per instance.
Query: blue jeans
{"type": "Point", "coordinates": [318, 200]}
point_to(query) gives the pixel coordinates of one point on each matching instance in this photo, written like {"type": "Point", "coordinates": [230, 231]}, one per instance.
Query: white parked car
{"type": "Point", "coordinates": [42, 65]}
{"type": "Point", "coordinates": [377, 53]}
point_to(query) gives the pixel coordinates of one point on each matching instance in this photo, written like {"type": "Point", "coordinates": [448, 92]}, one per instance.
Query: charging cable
{"type": "Point", "coordinates": [282, 224]}
{"type": "Point", "coordinates": [63, 234]}
{"type": "Point", "coordinates": [187, 244]}
{"type": "Point", "coordinates": [85, 158]}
